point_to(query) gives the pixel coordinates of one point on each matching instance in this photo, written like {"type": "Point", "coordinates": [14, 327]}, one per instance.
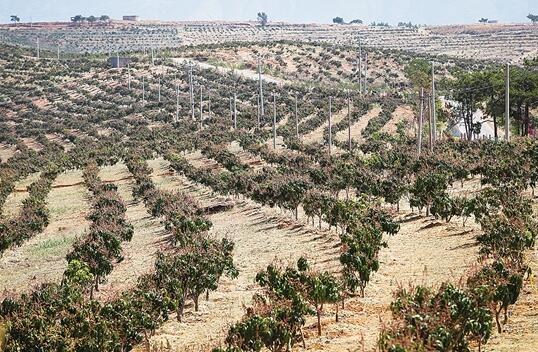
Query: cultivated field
{"type": "Point", "coordinates": [146, 208]}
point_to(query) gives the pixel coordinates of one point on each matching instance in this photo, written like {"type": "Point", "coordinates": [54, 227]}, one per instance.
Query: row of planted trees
{"type": "Point", "coordinates": [65, 316]}
{"type": "Point", "coordinates": [452, 317]}
{"type": "Point", "coordinates": [503, 213]}
{"type": "Point", "coordinates": [278, 315]}
{"type": "Point", "coordinates": [33, 216]}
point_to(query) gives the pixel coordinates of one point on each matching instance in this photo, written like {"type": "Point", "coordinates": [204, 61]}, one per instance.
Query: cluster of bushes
{"type": "Point", "coordinates": [279, 312]}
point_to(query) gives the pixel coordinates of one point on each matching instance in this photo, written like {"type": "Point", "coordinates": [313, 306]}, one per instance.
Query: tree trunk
{"type": "Point", "coordinates": [527, 119]}
{"type": "Point", "coordinates": [336, 305]}
{"type": "Point", "coordinates": [318, 313]}
{"type": "Point", "coordinates": [180, 309]}
{"type": "Point", "coordinates": [497, 312]}
{"type": "Point", "coordinates": [195, 299]}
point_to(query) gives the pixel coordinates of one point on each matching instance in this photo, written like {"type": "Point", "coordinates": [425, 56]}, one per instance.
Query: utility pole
{"type": "Point", "coordinates": [507, 105]}
{"type": "Point", "coordinates": [262, 111]}
{"type": "Point", "coordinates": [129, 76]}
{"type": "Point", "coordinates": [143, 90]}
{"type": "Point", "coordinates": [258, 109]}
{"type": "Point", "coordinates": [209, 103]}
{"type": "Point", "coordinates": [360, 67]}
{"type": "Point", "coordinates": [349, 122]}
{"type": "Point", "coordinates": [365, 72]}
{"type": "Point", "coordinates": [118, 60]}
{"type": "Point", "coordinates": [201, 106]}
{"type": "Point", "coordinates": [191, 91]}
{"type": "Point", "coordinates": [235, 110]}
{"type": "Point", "coordinates": [58, 52]}
{"type": "Point", "coordinates": [159, 89]}
{"type": "Point", "coordinates": [434, 115]}
{"type": "Point", "coordinates": [419, 139]}
{"type": "Point", "coordinates": [177, 102]}
{"type": "Point", "coordinates": [38, 48]}
{"type": "Point", "coordinates": [152, 57]}
{"type": "Point", "coordinates": [431, 123]}
{"type": "Point", "coordinates": [296, 118]}
{"type": "Point", "coordinates": [330, 124]}
{"type": "Point", "coordinates": [274, 121]}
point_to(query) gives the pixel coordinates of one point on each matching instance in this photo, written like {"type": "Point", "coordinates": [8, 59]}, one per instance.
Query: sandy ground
{"type": "Point", "coordinates": [148, 238]}
{"type": "Point", "coordinates": [246, 157]}
{"type": "Point", "coordinates": [245, 73]}
{"type": "Point", "coordinates": [425, 251]}
{"type": "Point", "coordinates": [6, 152]}
{"type": "Point", "coordinates": [14, 200]}
{"type": "Point", "coordinates": [261, 236]}
{"type": "Point", "coordinates": [42, 258]}
{"type": "Point", "coordinates": [317, 134]}
{"type": "Point", "coordinates": [32, 143]}
{"type": "Point", "coordinates": [198, 160]}
{"type": "Point", "coordinates": [521, 332]}
{"type": "Point", "coordinates": [359, 126]}
{"type": "Point", "coordinates": [401, 113]}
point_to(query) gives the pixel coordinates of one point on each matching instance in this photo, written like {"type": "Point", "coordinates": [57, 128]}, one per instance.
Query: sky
{"type": "Point", "coordinates": [295, 11]}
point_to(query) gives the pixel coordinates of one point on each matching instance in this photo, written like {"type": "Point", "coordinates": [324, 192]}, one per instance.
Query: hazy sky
{"type": "Point", "coordinates": [304, 11]}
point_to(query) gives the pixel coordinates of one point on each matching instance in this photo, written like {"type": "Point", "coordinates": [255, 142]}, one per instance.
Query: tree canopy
{"type": "Point", "coordinates": [263, 18]}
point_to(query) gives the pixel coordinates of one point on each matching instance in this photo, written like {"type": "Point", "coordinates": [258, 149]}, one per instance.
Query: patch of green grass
{"type": "Point", "coordinates": [53, 246]}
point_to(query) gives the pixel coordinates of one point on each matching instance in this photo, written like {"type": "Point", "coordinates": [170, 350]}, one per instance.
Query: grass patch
{"type": "Point", "coordinates": [52, 247]}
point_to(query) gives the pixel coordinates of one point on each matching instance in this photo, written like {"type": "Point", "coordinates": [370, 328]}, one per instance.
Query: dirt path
{"type": "Point", "coordinates": [401, 113]}
{"type": "Point", "coordinates": [245, 73]}
{"type": "Point", "coordinates": [416, 254]}
{"type": "Point", "coordinates": [149, 235]}
{"type": "Point", "coordinates": [317, 134]}
{"type": "Point", "coordinates": [359, 126]}
{"type": "Point", "coordinates": [521, 332]}
{"type": "Point", "coordinates": [14, 200]}
{"type": "Point", "coordinates": [247, 157]}
{"type": "Point", "coordinates": [42, 258]}
{"type": "Point", "coordinates": [423, 252]}
{"type": "Point", "coordinates": [261, 236]}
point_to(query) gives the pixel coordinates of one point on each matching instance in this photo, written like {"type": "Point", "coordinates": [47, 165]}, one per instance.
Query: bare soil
{"type": "Point", "coordinates": [42, 258]}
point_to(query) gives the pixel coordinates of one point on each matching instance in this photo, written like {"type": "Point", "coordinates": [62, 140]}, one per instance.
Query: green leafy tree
{"type": "Point", "coordinates": [262, 19]}
{"type": "Point", "coordinates": [338, 20]}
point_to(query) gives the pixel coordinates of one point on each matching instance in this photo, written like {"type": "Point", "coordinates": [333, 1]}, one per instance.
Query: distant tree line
{"type": "Point", "coordinates": [407, 25]}
{"type": "Point", "coordinates": [340, 20]}
{"type": "Point", "coordinates": [79, 19]}
{"type": "Point", "coordinates": [379, 24]}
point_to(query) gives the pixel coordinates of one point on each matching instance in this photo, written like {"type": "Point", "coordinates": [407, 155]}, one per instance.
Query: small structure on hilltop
{"type": "Point", "coordinates": [131, 18]}
{"type": "Point", "coordinates": [123, 62]}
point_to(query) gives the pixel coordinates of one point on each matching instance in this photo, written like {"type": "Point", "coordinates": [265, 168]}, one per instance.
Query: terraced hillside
{"type": "Point", "coordinates": [510, 42]}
